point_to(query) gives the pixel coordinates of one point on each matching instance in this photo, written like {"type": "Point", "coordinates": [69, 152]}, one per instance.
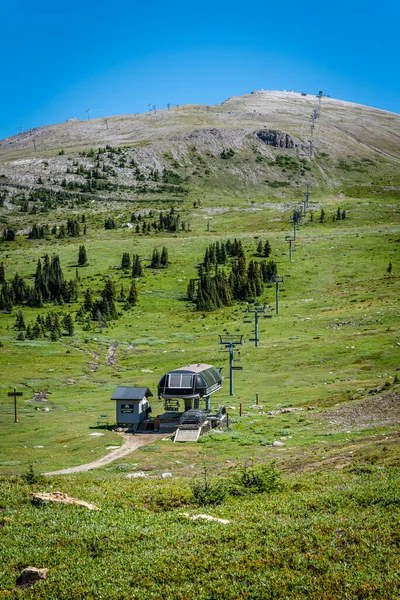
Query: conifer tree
{"type": "Point", "coordinates": [132, 295]}
{"type": "Point", "coordinates": [267, 249]}
{"type": "Point", "coordinates": [126, 261]}
{"type": "Point", "coordinates": [82, 256]}
{"type": "Point", "coordinates": [68, 324]}
{"type": "Point", "coordinates": [19, 321]}
{"type": "Point", "coordinates": [155, 259]}
{"type": "Point", "coordinates": [2, 273]}
{"type": "Point", "coordinates": [88, 300]}
{"type": "Point", "coordinates": [137, 267]}
{"type": "Point", "coordinates": [164, 257]}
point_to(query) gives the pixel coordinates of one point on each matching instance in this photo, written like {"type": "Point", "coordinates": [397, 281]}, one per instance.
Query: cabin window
{"type": "Point", "coordinates": [186, 381]}
{"type": "Point", "coordinates": [179, 380]}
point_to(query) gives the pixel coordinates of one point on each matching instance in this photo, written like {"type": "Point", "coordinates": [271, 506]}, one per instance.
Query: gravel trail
{"type": "Point", "coordinates": [132, 442]}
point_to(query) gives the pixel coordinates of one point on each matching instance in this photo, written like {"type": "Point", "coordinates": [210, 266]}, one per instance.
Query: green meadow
{"type": "Point", "coordinates": [326, 376]}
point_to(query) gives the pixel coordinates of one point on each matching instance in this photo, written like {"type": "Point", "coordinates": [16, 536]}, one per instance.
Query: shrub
{"type": "Point", "coordinates": [255, 479]}
{"type": "Point", "coordinates": [208, 490]}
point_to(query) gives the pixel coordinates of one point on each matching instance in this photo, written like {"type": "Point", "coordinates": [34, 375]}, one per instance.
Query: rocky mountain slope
{"type": "Point", "coordinates": [263, 144]}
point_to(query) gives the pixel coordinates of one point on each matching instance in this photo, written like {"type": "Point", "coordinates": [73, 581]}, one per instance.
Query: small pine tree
{"type": "Point", "coordinates": [19, 321]}
{"type": "Point", "coordinates": [267, 249]}
{"type": "Point", "coordinates": [338, 214]}
{"type": "Point", "coordinates": [260, 248]}
{"type": "Point", "coordinates": [343, 215]}
{"type": "Point", "coordinates": [88, 300]}
{"type": "Point", "coordinates": [132, 295]}
{"type": "Point", "coordinates": [137, 267]}
{"type": "Point", "coordinates": [82, 257]}
{"type": "Point", "coordinates": [164, 257]}
{"type": "Point", "coordinates": [322, 216]}
{"type": "Point", "coordinates": [390, 268]}
{"type": "Point", "coordinates": [2, 273]}
{"type": "Point", "coordinates": [155, 259]}
{"type": "Point", "coordinates": [126, 261]}
{"type": "Point", "coordinates": [68, 324]}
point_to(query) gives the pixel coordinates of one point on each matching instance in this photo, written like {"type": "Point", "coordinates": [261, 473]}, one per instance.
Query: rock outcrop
{"type": "Point", "coordinates": [278, 139]}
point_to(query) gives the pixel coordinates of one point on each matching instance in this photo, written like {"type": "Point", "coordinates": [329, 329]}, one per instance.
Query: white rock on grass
{"type": "Point", "coordinates": [96, 434]}
{"type": "Point", "coordinates": [136, 475]}
{"type": "Point", "coordinates": [205, 518]}
{"type": "Point", "coordinates": [276, 443]}
{"type": "Point", "coordinates": [166, 475]}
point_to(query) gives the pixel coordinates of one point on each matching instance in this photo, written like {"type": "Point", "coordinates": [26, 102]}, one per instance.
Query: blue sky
{"type": "Point", "coordinates": [61, 58]}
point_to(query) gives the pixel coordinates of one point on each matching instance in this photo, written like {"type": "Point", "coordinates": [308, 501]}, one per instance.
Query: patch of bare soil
{"type": "Point", "coordinates": [132, 442]}
{"type": "Point", "coordinates": [375, 411]}
{"type": "Point", "coordinates": [111, 358]}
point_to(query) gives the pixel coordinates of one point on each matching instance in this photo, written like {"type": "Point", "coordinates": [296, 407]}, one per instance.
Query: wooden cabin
{"type": "Point", "coordinates": [132, 405]}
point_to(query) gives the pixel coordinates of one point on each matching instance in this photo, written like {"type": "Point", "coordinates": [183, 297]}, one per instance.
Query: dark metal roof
{"type": "Point", "coordinates": [131, 393]}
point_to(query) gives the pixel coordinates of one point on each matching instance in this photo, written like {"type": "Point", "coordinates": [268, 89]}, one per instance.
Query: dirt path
{"type": "Point", "coordinates": [132, 442]}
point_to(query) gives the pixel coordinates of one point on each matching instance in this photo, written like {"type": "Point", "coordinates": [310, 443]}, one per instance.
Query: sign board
{"type": "Point", "coordinates": [127, 408]}
{"type": "Point", "coordinates": [14, 394]}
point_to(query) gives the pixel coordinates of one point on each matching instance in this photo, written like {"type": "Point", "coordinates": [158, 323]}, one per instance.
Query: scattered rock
{"type": "Point", "coordinates": [135, 475]}
{"type": "Point", "coordinates": [276, 443]}
{"type": "Point", "coordinates": [166, 475]}
{"type": "Point", "coordinates": [97, 434]}
{"type": "Point", "coordinates": [40, 396]}
{"type": "Point", "coordinates": [205, 518]}
{"type": "Point", "coordinates": [61, 499]}
{"type": "Point", "coordinates": [375, 390]}
{"type": "Point", "coordinates": [29, 576]}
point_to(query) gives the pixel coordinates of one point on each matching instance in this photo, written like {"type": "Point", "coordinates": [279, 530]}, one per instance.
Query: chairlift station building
{"type": "Point", "coordinates": [191, 384]}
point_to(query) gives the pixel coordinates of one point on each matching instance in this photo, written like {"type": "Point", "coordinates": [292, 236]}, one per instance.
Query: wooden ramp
{"type": "Point", "coordinates": [187, 435]}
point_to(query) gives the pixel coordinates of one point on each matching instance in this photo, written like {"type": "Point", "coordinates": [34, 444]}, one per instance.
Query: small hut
{"type": "Point", "coordinates": [132, 405]}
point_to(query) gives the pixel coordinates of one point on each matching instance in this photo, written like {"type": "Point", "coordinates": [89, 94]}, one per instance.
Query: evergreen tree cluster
{"type": "Point", "coordinates": [9, 234]}
{"type": "Point", "coordinates": [100, 309]}
{"type": "Point", "coordinates": [53, 325]}
{"type": "Point", "coordinates": [214, 289]}
{"type": "Point", "coordinates": [159, 261]}
{"type": "Point", "coordinates": [264, 248]}
{"type": "Point", "coordinates": [167, 221]}
{"type": "Point", "coordinates": [38, 232]}
{"type": "Point", "coordinates": [340, 215]}
{"type": "Point", "coordinates": [73, 228]}
{"type": "Point", "coordinates": [49, 286]}
{"type": "Point", "coordinates": [109, 223]}
{"type": "Point", "coordinates": [134, 264]}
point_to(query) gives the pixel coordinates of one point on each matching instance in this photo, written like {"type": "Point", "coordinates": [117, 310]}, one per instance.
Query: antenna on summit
{"type": "Point", "coordinates": [88, 114]}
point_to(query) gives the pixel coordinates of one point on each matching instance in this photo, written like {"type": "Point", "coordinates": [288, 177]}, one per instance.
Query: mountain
{"type": "Point", "coordinates": [264, 143]}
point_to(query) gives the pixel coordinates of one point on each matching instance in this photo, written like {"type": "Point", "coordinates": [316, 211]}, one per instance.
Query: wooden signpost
{"type": "Point", "coordinates": [15, 394]}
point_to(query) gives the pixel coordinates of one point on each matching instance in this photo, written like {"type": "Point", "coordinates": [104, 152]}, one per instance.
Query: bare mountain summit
{"type": "Point", "coordinates": [265, 143]}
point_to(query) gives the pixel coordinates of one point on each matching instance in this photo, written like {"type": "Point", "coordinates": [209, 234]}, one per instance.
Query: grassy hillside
{"type": "Point", "coordinates": [326, 370]}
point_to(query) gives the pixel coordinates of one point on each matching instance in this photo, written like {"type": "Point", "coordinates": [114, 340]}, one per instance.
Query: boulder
{"type": "Point", "coordinates": [30, 575]}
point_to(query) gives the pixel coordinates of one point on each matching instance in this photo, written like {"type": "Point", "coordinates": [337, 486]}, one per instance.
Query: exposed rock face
{"type": "Point", "coordinates": [29, 575]}
{"type": "Point", "coordinates": [279, 139]}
